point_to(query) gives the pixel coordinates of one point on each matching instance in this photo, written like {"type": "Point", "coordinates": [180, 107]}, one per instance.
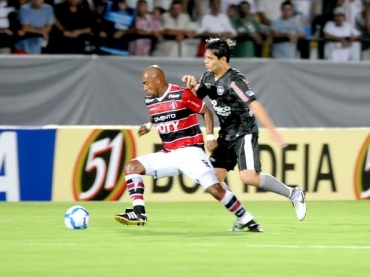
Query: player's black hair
{"type": "Point", "coordinates": [220, 47]}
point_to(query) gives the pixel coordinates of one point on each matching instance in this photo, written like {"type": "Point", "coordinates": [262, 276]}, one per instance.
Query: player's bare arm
{"type": "Point", "coordinates": [262, 116]}
{"type": "Point", "coordinates": [211, 142]}
{"type": "Point", "coordinates": [145, 128]}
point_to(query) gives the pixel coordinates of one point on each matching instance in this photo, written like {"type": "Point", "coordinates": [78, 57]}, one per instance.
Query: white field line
{"type": "Point", "coordinates": [293, 246]}
{"type": "Point", "coordinates": [366, 247]}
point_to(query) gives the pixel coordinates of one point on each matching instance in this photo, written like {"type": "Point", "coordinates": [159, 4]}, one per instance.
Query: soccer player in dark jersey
{"type": "Point", "coordinates": [237, 108]}
{"type": "Point", "coordinates": [173, 110]}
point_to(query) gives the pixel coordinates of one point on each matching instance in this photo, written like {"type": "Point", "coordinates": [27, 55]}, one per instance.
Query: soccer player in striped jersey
{"type": "Point", "coordinates": [237, 108]}
{"type": "Point", "coordinates": [173, 111]}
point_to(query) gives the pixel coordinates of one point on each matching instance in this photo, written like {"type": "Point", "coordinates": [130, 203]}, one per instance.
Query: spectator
{"type": "Point", "coordinates": [216, 23]}
{"type": "Point", "coordinates": [157, 15]}
{"type": "Point", "coordinates": [118, 27]}
{"type": "Point", "coordinates": [147, 31]}
{"type": "Point", "coordinates": [179, 33]}
{"type": "Point", "coordinates": [73, 30]}
{"type": "Point", "coordinates": [36, 19]}
{"type": "Point", "coordinates": [233, 12]}
{"type": "Point", "coordinates": [352, 9]}
{"type": "Point", "coordinates": [193, 9]}
{"type": "Point", "coordinates": [286, 32]}
{"type": "Point", "coordinates": [342, 44]}
{"type": "Point", "coordinates": [226, 3]}
{"type": "Point", "coordinates": [8, 27]}
{"type": "Point", "coordinates": [166, 4]}
{"type": "Point", "coordinates": [268, 10]}
{"type": "Point", "coordinates": [363, 24]}
{"type": "Point", "coordinates": [324, 13]}
{"type": "Point", "coordinates": [303, 12]}
{"type": "Point", "coordinates": [248, 28]}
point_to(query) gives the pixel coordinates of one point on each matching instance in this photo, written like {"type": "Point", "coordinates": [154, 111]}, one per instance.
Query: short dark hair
{"type": "Point", "coordinates": [286, 3]}
{"type": "Point", "coordinates": [244, 3]}
{"type": "Point", "coordinates": [176, 2]}
{"type": "Point", "coordinates": [220, 47]}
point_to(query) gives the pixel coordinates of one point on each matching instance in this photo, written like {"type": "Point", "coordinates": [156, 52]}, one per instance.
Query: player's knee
{"type": "Point", "coordinates": [250, 177]}
{"type": "Point", "coordinates": [134, 166]}
{"type": "Point", "coordinates": [217, 191]}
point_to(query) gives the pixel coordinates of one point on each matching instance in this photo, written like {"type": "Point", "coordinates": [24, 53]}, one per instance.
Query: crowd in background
{"type": "Point", "coordinates": [336, 30]}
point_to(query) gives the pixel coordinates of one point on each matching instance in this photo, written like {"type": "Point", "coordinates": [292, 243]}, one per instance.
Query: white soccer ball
{"type": "Point", "coordinates": [76, 217]}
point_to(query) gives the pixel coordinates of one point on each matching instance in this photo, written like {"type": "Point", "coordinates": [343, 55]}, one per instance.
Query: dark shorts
{"type": "Point", "coordinates": [243, 151]}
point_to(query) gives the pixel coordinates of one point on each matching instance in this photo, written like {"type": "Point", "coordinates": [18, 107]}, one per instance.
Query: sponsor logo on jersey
{"type": "Point", "coordinates": [220, 90]}
{"type": "Point", "coordinates": [362, 171]}
{"type": "Point", "coordinates": [164, 117]}
{"type": "Point", "coordinates": [171, 96]}
{"type": "Point", "coordinates": [98, 172]}
{"type": "Point", "coordinates": [208, 85]}
{"type": "Point", "coordinates": [223, 111]}
{"type": "Point", "coordinates": [173, 105]}
{"type": "Point", "coordinates": [167, 127]}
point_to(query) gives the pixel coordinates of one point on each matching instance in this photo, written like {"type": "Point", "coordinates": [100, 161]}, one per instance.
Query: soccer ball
{"type": "Point", "coordinates": [76, 217]}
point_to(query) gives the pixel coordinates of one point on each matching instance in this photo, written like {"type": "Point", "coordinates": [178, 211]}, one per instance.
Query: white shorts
{"type": "Point", "coordinates": [192, 161]}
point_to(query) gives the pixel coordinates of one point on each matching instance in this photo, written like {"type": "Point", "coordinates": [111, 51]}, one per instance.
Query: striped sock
{"type": "Point", "coordinates": [231, 203]}
{"type": "Point", "coordinates": [135, 186]}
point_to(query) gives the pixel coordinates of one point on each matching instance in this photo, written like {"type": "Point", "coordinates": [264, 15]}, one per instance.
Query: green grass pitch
{"type": "Point", "coordinates": [186, 240]}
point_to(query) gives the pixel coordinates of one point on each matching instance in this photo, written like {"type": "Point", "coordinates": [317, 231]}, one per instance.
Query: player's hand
{"type": "Point", "coordinates": [211, 145]}
{"type": "Point", "coordinates": [277, 138]}
{"type": "Point", "coordinates": [142, 131]}
{"type": "Point", "coordinates": [190, 81]}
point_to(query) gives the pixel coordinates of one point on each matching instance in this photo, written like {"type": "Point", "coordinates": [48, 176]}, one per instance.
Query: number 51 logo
{"type": "Point", "coordinates": [99, 172]}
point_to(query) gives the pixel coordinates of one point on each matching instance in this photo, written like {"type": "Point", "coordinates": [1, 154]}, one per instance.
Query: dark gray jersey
{"type": "Point", "coordinates": [230, 96]}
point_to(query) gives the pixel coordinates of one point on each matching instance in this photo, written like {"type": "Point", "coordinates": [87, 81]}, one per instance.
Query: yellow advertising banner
{"type": "Point", "coordinates": [330, 164]}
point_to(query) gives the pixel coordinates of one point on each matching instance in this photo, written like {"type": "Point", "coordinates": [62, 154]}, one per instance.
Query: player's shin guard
{"type": "Point", "coordinates": [135, 186]}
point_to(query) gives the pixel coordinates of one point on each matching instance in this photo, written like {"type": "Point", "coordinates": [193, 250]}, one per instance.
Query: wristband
{"type": "Point", "coordinates": [148, 125]}
{"type": "Point", "coordinates": [210, 137]}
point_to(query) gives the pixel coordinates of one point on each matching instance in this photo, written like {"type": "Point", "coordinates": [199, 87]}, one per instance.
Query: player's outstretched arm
{"type": "Point", "coordinates": [211, 142]}
{"type": "Point", "coordinates": [145, 128]}
{"type": "Point", "coordinates": [261, 114]}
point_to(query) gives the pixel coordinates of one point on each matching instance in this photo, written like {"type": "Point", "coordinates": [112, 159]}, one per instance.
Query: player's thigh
{"type": "Point", "coordinates": [159, 164]}
{"type": "Point", "coordinates": [196, 165]}
{"type": "Point", "coordinates": [248, 153]}
{"type": "Point", "coordinates": [224, 155]}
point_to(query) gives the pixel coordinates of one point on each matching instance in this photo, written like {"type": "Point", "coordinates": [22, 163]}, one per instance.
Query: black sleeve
{"type": "Point", "coordinates": [242, 89]}
{"type": "Point", "coordinates": [200, 88]}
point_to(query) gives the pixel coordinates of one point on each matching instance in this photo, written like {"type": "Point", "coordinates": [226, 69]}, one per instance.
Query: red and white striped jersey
{"type": "Point", "coordinates": [175, 117]}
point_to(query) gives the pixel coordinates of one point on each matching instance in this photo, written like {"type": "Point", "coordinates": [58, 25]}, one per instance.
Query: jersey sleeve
{"type": "Point", "coordinates": [192, 102]}
{"type": "Point", "coordinates": [200, 88]}
{"type": "Point", "coordinates": [243, 90]}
